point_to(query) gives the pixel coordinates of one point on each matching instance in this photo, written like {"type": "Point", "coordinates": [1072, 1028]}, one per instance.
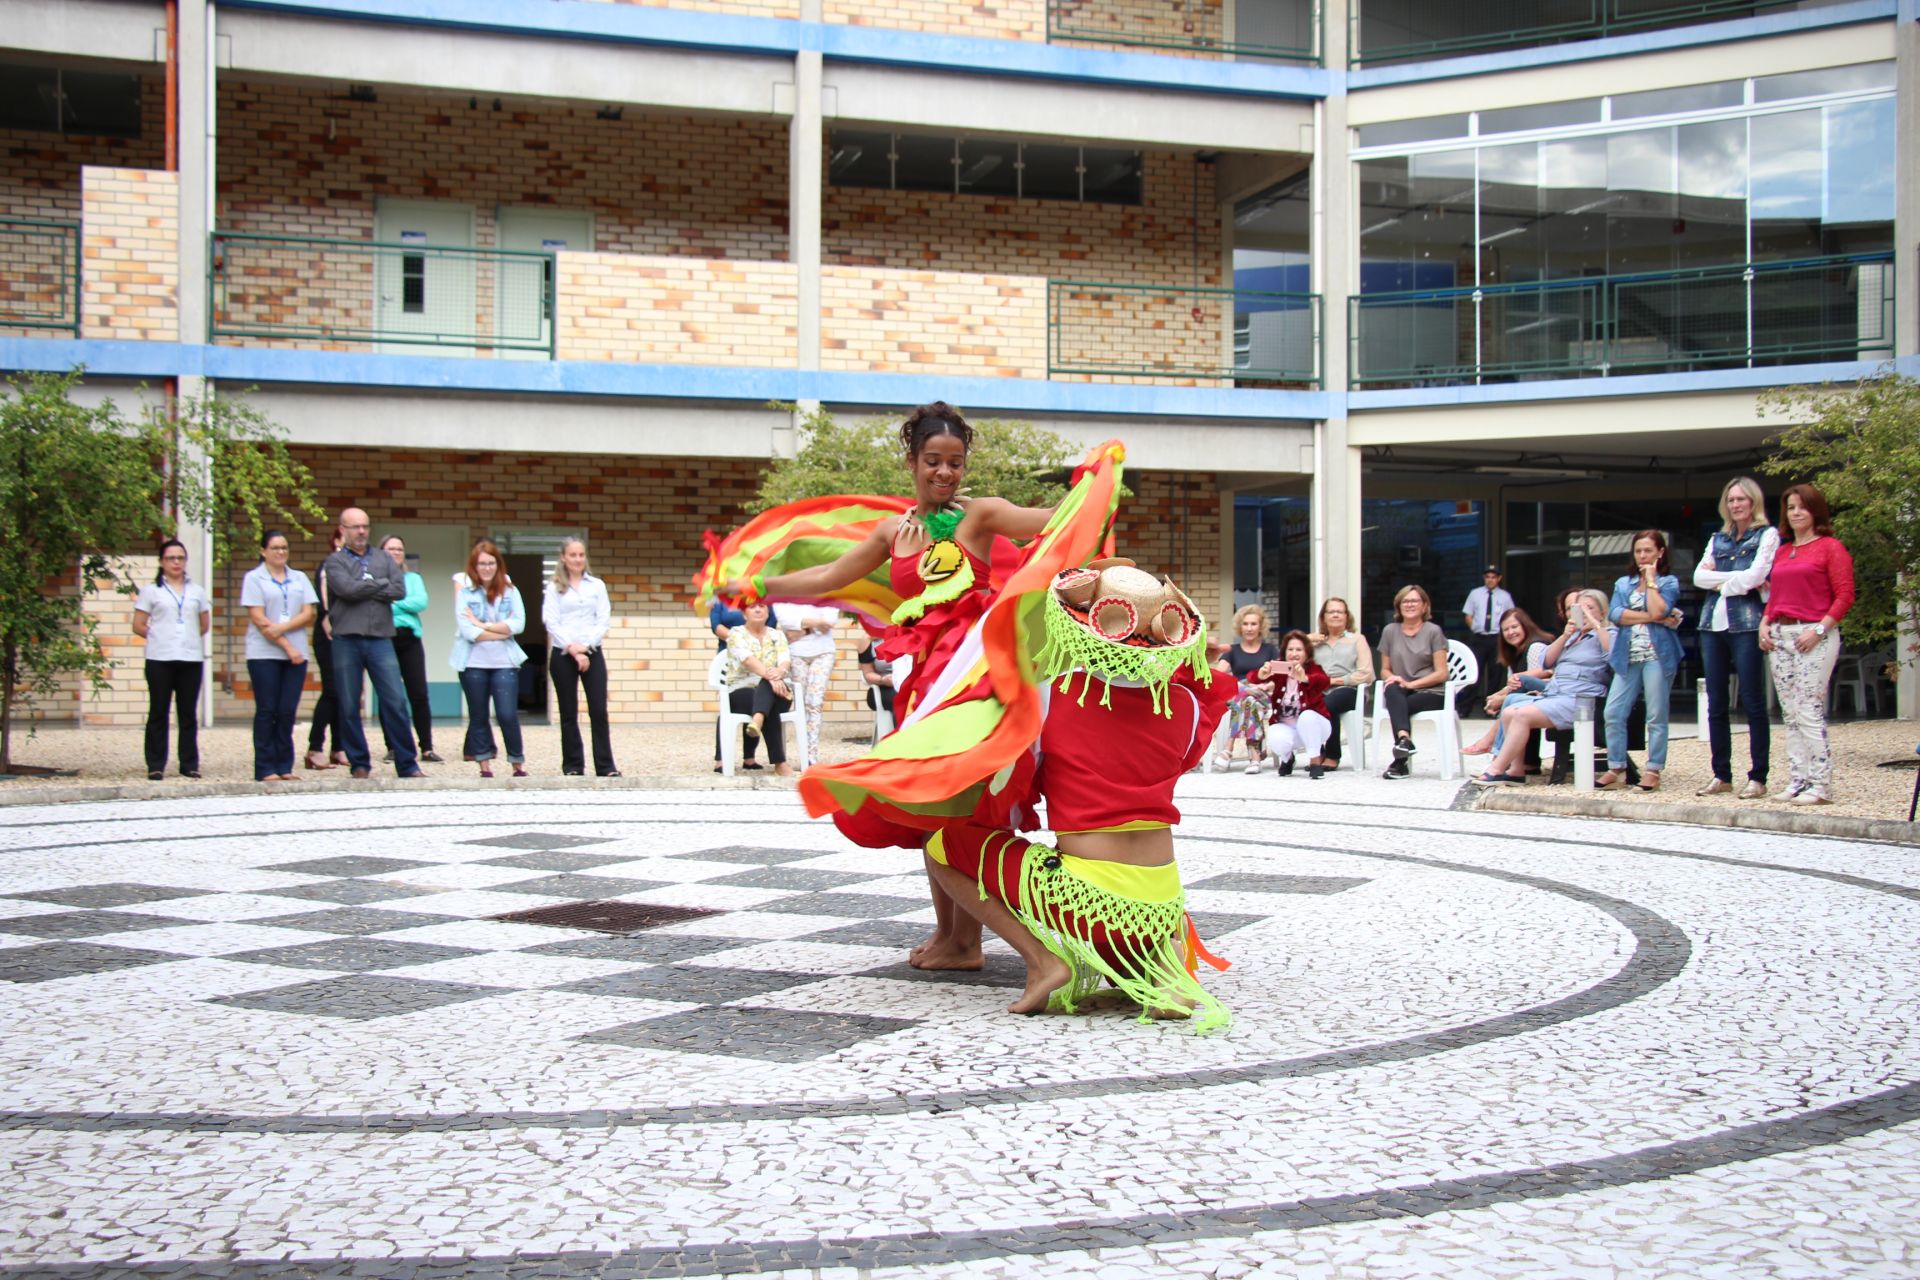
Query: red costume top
{"type": "Point", "coordinates": [1101, 766]}
{"type": "Point", "coordinates": [1312, 694]}
{"type": "Point", "coordinates": [931, 640]}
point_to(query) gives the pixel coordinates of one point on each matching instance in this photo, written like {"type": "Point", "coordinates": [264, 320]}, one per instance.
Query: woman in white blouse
{"type": "Point", "coordinates": [279, 603]}
{"type": "Point", "coordinates": [576, 613]}
{"type": "Point", "coordinates": [809, 633]}
{"type": "Point", "coordinates": [171, 614]}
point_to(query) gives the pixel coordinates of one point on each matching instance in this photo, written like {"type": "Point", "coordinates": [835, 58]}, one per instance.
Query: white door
{"type": "Point", "coordinates": [425, 299]}
{"type": "Point", "coordinates": [523, 316]}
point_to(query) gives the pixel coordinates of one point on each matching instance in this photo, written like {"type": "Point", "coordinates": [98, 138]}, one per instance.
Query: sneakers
{"type": "Point", "coordinates": [1402, 749]}
{"type": "Point", "coordinates": [1714, 787]}
{"type": "Point", "coordinates": [1398, 769]}
{"type": "Point", "coordinates": [1253, 766]}
{"type": "Point", "coordinates": [1221, 763]}
{"type": "Point", "coordinates": [1753, 790]}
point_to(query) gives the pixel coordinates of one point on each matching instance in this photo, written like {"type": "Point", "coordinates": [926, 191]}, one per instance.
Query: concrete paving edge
{"type": "Point", "coordinates": [13, 795]}
{"type": "Point", "coordinates": [1505, 800]}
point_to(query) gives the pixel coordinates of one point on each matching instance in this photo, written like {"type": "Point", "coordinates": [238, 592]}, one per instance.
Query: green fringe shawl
{"type": "Point", "coordinates": [1149, 936]}
{"type": "Point", "coordinates": [1069, 647]}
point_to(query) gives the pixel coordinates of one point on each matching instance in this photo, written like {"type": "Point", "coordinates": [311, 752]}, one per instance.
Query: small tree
{"type": "Point", "coordinates": [81, 486]}
{"type": "Point", "coordinates": [1017, 461]}
{"type": "Point", "coordinates": [1860, 446]}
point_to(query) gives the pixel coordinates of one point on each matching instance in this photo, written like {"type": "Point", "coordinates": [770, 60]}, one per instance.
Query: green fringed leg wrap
{"type": "Point", "coordinates": [1063, 912]}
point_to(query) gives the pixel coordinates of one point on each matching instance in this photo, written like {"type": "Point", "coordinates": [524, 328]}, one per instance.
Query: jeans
{"type": "Point", "coordinates": [177, 683]}
{"type": "Point", "coordinates": [276, 704]}
{"type": "Point", "coordinates": [411, 654]}
{"type": "Point", "coordinates": [760, 699]}
{"type": "Point", "coordinates": [502, 686]}
{"type": "Point", "coordinates": [568, 681]}
{"type": "Point", "coordinates": [1642, 678]}
{"type": "Point", "coordinates": [356, 657]}
{"type": "Point", "coordinates": [1738, 652]}
{"type": "Point", "coordinates": [1800, 682]}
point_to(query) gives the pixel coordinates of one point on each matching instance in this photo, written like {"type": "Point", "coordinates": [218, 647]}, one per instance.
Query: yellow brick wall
{"type": "Point", "coordinates": [676, 310]}
{"type": "Point", "coordinates": [751, 8]}
{"type": "Point", "coordinates": [1005, 20]}
{"type": "Point", "coordinates": [130, 254]}
{"type": "Point", "coordinates": [887, 320]}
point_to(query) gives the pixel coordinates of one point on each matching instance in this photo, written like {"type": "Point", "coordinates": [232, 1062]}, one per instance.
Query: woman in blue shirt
{"type": "Point", "coordinates": [1646, 662]}
{"type": "Point", "coordinates": [489, 613]}
{"type": "Point", "coordinates": [1580, 670]}
{"type": "Point", "coordinates": [409, 649]}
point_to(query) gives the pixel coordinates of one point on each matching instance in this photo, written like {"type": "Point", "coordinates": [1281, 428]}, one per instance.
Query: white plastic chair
{"type": "Point", "coordinates": [1858, 676]}
{"type": "Point", "coordinates": [1353, 731]}
{"type": "Point", "coordinates": [1462, 670]}
{"type": "Point", "coordinates": [730, 722]}
{"type": "Point", "coordinates": [882, 718]}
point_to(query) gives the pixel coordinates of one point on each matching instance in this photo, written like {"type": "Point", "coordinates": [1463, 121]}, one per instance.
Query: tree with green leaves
{"type": "Point", "coordinates": [82, 487]}
{"type": "Point", "coordinates": [1017, 461]}
{"type": "Point", "coordinates": [1860, 446]}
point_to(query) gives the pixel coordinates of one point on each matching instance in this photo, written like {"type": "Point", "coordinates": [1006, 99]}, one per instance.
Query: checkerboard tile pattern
{"type": "Point", "coordinates": [367, 935]}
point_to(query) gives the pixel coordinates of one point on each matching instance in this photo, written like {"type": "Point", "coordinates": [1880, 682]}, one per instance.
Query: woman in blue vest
{"type": "Point", "coordinates": [1733, 572]}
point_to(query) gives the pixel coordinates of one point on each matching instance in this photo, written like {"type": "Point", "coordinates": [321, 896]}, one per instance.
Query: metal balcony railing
{"type": "Point", "coordinates": [1762, 313]}
{"type": "Point", "coordinates": [1167, 331]}
{"type": "Point", "coordinates": [1481, 25]}
{"type": "Point", "coordinates": [40, 275]}
{"type": "Point", "coordinates": [1287, 30]}
{"type": "Point", "coordinates": [399, 296]}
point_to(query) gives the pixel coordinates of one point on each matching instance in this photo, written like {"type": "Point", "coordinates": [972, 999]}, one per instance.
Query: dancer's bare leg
{"type": "Point", "coordinates": [1046, 972]}
{"type": "Point", "coordinates": [955, 942]}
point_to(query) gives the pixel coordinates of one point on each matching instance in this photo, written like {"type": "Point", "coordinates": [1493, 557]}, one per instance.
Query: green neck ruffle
{"type": "Point", "coordinates": [1070, 647]}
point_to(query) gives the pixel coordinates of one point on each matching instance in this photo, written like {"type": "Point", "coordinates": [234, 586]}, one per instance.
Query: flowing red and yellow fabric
{"type": "Point", "coordinates": [966, 751]}
{"type": "Point", "coordinates": [799, 535]}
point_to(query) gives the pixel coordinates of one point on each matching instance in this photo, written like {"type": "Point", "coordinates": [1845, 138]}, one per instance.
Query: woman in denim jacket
{"type": "Point", "coordinates": [1733, 570]}
{"type": "Point", "coordinates": [1644, 660]}
{"type": "Point", "coordinates": [489, 614]}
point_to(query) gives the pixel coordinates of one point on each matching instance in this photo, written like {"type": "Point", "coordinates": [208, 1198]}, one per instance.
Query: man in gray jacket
{"type": "Point", "coordinates": [362, 585]}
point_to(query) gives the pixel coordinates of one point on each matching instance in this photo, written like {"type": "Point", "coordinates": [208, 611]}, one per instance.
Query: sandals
{"type": "Point", "coordinates": [486, 769]}
{"type": "Point", "coordinates": [1498, 779]}
{"type": "Point", "coordinates": [1611, 780]}
{"type": "Point", "coordinates": [1649, 779]}
{"type": "Point", "coordinates": [519, 771]}
{"type": "Point", "coordinates": [751, 764]}
{"type": "Point", "coordinates": [324, 762]}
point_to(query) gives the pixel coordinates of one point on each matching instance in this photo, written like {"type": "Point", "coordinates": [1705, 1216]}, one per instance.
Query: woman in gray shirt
{"type": "Point", "coordinates": [1413, 670]}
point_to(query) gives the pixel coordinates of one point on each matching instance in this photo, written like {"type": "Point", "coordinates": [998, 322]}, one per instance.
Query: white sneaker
{"type": "Point", "coordinates": [1253, 766]}
{"type": "Point", "coordinates": [1809, 797]}
{"type": "Point", "coordinates": [1221, 763]}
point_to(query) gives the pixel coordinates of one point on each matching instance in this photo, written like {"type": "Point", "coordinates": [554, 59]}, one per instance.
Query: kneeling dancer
{"type": "Point", "coordinates": [1106, 906]}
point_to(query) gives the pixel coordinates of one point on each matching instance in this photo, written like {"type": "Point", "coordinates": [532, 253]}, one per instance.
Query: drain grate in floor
{"type": "Point", "coordinates": [608, 917]}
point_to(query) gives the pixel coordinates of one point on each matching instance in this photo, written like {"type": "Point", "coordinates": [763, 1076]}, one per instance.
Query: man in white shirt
{"type": "Point", "coordinates": [1486, 605]}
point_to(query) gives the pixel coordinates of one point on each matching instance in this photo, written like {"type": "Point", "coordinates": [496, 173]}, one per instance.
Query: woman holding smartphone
{"type": "Point", "coordinates": [1580, 670]}
{"type": "Point", "coordinates": [1647, 663]}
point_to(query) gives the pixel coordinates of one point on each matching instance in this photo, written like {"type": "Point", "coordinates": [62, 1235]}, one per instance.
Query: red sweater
{"type": "Point", "coordinates": [1811, 582]}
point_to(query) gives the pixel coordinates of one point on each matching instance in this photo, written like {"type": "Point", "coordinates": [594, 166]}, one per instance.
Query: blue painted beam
{"type": "Point", "coordinates": [1622, 46]}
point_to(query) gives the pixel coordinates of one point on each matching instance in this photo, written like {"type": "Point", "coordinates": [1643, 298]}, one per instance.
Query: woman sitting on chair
{"type": "Point", "coordinates": [1413, 670]}
{"type": "Point", "coordinates": [757, 684]}
{"type": "Point", "coordinates": [1580, 670]}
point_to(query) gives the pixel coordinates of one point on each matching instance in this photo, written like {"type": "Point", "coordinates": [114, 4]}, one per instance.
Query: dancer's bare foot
{"type": "Point", "coordinates": [943, 951]}
{"type": "Point", "coordinates": [1045, 976]}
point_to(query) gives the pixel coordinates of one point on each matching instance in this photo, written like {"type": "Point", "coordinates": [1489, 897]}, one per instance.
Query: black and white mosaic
{"type": "Point", "coordinates": [1463, 1044]}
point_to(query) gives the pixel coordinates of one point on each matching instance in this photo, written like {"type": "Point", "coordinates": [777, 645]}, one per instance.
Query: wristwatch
{"type": "Point", "coordinates": [1820, 629]}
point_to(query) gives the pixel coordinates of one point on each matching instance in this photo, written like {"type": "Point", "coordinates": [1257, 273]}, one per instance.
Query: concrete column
{"type": "Point", "coordinates": [196, 125]}
{"type": "Point", "coordinates": [1906, 273]}
{"type": "Point", "coordinates": [806, 135]}
{"type": "Point", "coordinates": [1336, 471]}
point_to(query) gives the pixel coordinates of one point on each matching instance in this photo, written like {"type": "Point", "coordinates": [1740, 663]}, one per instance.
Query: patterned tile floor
{"type": "Point", "coordinates": [298, 1039]}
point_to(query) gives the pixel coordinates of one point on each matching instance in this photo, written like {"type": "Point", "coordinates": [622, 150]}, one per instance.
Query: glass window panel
{"type": "Point", "coordinates": [987, 168]}
{"type": "Point", "coordinates": [106, 106]}
{"type": "Point", "coordinates": [1641, 211]}
{"type": "Point", "coordinates": [1808, 84]}
{"type": "Point", "coordinates": [1711, 227]}
{"type": "Point", "coordinates": [1113, 177]}
{"type": "Point", "coordinates": [1545, 115]}
{"type": "Point", "coordinates": [1661, 102]}
{"type": "Point", "coordinates": [924, 164]}
{"type": "Point", "coordinates": [1860, 162]}
{"type": "Point", "coordinates": [30, 98]}
{"type": "Point", "coordinates": [1511, 248]}
{"type": "Point", "coordinates": [1427, 130]}
{"type": "Point", "coordinates": [1051, 172]}
{"type": "Point", "coordinates": [1788, 175]}
{"type": "Point", "coordinates": [1573, 207]}
{"type": "Point", "coordinates": [858, 158]}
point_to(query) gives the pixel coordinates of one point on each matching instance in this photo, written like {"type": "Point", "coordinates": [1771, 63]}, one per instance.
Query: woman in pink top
{"type": "Point", "coordinates": [1810, 590]}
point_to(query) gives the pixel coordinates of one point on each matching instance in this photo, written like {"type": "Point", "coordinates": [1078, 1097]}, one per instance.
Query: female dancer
{"type": "Point", "coordinates": [938, 555]}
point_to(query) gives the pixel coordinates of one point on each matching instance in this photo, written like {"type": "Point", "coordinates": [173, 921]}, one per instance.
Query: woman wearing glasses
{"type": "Point", "coordinates": [171, 614]}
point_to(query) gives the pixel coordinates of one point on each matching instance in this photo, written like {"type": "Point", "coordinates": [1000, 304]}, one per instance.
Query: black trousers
{"type": "Point", "coordinates": [760, 700]}
{"type": "Point", "coordinates": [176, 684]}
{"type": "Point", "coordinates": [1403, 705]}
{"type": "Point", "coordinates": [326, 708]}
{"type": "Point", "coordinates": [568, 681]}
{"type": "Point", "coordinates": [1340, 699]}
{"type": "Point", "coordinates": [1486, 649]}
{"type": "Point", "coordinates": [411, 653]}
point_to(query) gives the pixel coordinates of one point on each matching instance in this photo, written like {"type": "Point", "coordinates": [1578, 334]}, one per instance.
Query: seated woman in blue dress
{"type": "Point", "coordinates": [1580, 670]}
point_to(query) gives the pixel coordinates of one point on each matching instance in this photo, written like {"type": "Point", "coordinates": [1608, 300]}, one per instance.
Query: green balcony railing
{"type": "Point", "coordinates": [404, 297]}
{"type": "Point", "coordinates": [1763, 313]}
{"type": "Point", "coordinates": [1167, 331]}
{"type": "Point", "coordinates": [1285, 30]}
{"type": "Point", "coordinates": [1475, 26]}
{"type": "Point", "coordinates": [40, 275]}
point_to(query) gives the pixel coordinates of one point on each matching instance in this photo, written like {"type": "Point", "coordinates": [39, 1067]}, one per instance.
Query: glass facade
{"type": "Point", "coordinates": [1538, 253]}
{"type": "Point", "coordinates": [1387, 31]}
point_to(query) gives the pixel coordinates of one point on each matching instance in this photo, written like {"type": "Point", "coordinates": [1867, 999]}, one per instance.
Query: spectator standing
{"type": "Point", "coordinates": [279, 602]}
{"type": "Point", "coordinates": [1733, 570]}
{"type": "Point", "coordinates": [1645, 659]}
{"type": "Point", "coordinates": [1486, 605]}
{"type": "Point", "coordinates": [809, 633]}
{"type": "Point", "coordinates": [1345, 656]}
{"type": "Point", "coordinates": [758, 684]}
{"type": "Point", "coordinates": [1252, 705]}
{"type": "Point", "coordinates": [722, 618]}
{"type": "Point", "coordinates": [326, 708]}
{"type": "Point", "coordinates": [488, 613]}
{"type": "Point", "coordinates": [409, 649]}
{"type": "Point", "coordinates": [362, 584]}
{"type": "Point", "coordinates": [171, 614]}
{"type": "Point", "coordinates": [878, 674]}
{"type": "Point", "coordinates": [577, 613]}
{"type": "Point", "coordinates": [1413, 670]}
{"type": "Point", "coordinates": [1812, 589]}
